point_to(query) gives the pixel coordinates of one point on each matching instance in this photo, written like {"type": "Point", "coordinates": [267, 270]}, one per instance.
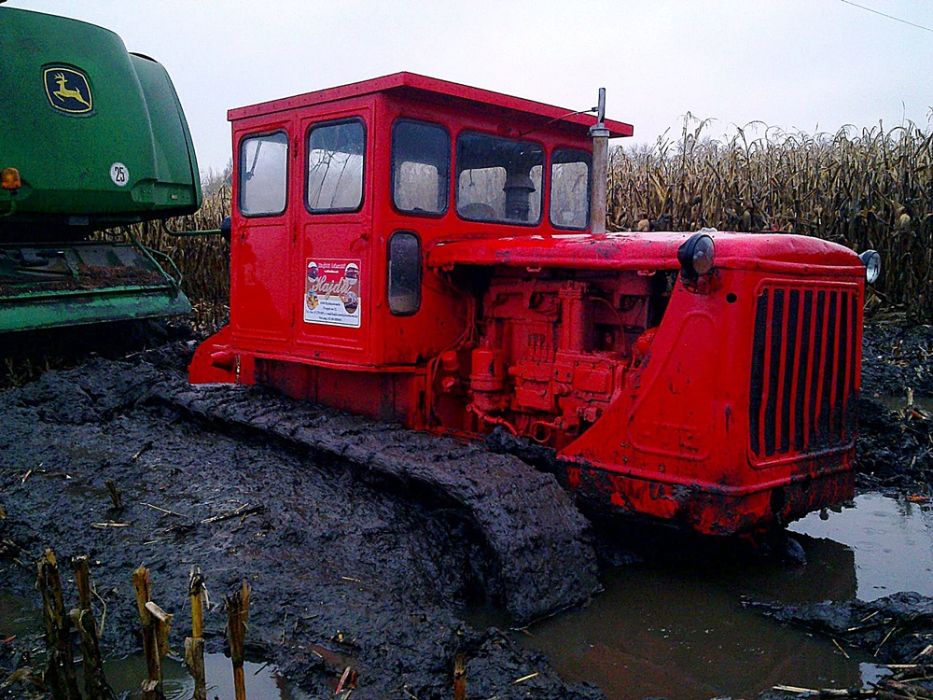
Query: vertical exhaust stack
{"type": "Point", "coordinates": [600, 135]}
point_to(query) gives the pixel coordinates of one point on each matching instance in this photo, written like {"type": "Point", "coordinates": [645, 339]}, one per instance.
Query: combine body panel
{"type": "Point", "coordinates": [416, 250]}
{"type": "Point", "coordinates": [97, 139]}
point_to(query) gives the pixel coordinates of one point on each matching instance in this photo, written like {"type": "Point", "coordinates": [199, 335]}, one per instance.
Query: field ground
{"type": "Point", "coordinates": [344, 570]}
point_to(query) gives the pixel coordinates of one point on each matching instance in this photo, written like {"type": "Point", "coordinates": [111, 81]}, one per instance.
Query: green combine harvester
{"type": "Point", "coordinates": [92, 137]}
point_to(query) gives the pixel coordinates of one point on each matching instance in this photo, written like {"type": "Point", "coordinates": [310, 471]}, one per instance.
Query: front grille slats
{"type": "Point", "coordinates": [803, 374]}
{"type": "Point", "coordinates": [803, 371]}
{"type": "Point", "coordinates": [772, 362]}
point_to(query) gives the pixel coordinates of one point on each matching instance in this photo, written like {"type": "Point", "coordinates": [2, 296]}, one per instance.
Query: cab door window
{"type": "Point", "coordinates": [420, 167]}
{"type": "Point", "coordinates": [263, 174]}
{"type": "Point", "coordinates": [336, 160]}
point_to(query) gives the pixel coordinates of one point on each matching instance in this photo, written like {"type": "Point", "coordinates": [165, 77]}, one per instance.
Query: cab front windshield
{"type": "Point", "coordinates": [498, 179]}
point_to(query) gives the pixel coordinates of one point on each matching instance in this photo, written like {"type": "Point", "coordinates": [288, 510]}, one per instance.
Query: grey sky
{"type": "Point", "coordinates": [791, 63]}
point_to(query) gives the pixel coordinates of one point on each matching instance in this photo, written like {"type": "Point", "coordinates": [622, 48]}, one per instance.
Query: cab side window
{"type": "Point", "coordinates": [420, 167]}
{"type": "Point", "coordinates": [336, 160]}
{"type": "Point", "coordinates": [404, 273]}
{"type": "Point", "coordinates": [570, 188]}
{"type": "Point", "coordinates": [263, 174]}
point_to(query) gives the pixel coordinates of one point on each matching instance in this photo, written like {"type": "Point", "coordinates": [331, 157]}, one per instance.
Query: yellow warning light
{"type": "Point", "coordinates": [9, 179]}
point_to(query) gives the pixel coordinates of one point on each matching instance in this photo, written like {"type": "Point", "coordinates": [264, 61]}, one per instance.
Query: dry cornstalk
{"type": "Point", "coordinates": [109, 524]}
{"type": "Point", "coordinates": [194, 645]}
{"type": "Point", "coordinates": [115, 496]}
{"type": "Point", "coordinates": [156, 624]}
{"type": "Point", "coordinates": [526, 678]}
{"type": "Point", "coordinates": [347, 682]}
{"type": "Point", "coordinates": [237, 617]}
{"type": "Point", "coordinates": [95, 683]}
{"type": "Point", "coordinates": [823, 692]}
{"type": "Point", "coordinates": [460, 680]}
{"type": "Point", "coordinates": [163, 626]}
{"type": "Point", "coordinates": [59, 674]}
{"type": "Point", "coordinates": [242, 510]}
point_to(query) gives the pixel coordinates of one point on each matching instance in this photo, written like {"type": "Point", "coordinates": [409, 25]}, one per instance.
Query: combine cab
{"type": "Point", "coordinates": [91, 137]}
{"type": "Point", "coordinates": [419, 251]}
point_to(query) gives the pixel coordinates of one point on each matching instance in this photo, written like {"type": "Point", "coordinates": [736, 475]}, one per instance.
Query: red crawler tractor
{"type": "Point", "coordinates": [429, 253]}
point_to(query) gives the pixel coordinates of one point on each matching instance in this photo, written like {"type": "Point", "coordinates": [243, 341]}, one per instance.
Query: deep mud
{"type": "Point", "coordinates": [895, 447]}
{"type": "Point", "coordinates": [895, 629]}
{"type": "Point", "coordinates": [342, 571]}
{"type": "Point", "coordinates": [540, 559]}
{"type": "Point", "coordinates": [895, 357]}
{"type": "Point", "coordinates": [348, 565]}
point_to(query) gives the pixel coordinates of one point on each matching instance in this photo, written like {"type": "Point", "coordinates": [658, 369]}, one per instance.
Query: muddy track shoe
{"type": "Point", "coordinates": [543, 559]}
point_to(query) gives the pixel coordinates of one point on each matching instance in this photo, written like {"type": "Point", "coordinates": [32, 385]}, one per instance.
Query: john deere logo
{"type": "Point", "coordinates": [68, 90]}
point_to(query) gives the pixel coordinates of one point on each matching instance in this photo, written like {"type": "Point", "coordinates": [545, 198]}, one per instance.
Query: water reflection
{"type": "Point", "coordinates": [262, 681]}
{"type": "Point", "coordinates": [679, 629]}
{"type": "Point", "coordinates": [892, 540]}
{"type": "Point", "coordinates": [676, 626]}
{"type": "Point", "coordinates": [16, 616]}
{"type": "Point", "coordinates": [20, 617]}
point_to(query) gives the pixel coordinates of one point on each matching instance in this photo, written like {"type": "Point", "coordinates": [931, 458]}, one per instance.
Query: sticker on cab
{"type": "Point", "coordinates": [332, 292]}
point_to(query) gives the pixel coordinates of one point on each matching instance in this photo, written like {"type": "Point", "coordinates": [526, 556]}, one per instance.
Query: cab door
{"type": "Point", "coordinates": [333, 252]}
{"type": "Point", "coordinates": [261, 246]}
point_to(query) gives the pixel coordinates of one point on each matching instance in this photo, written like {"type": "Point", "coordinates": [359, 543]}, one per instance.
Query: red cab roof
{"type": "Point", "coordinates": [412, 83]}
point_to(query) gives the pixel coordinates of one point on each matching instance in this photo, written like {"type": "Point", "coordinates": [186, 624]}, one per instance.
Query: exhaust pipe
{"type": "Point", "coordinates": [600, 135]}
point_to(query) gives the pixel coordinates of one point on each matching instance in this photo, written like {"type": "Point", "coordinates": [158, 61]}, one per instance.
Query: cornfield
{"type": "Point", "coordinates": [865, 189]}
{"type": "Point", "coordinates": [203, 261]}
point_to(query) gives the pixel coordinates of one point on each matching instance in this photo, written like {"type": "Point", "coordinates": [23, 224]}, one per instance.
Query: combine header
{"type": "Point", "coordinates": [91, 137]}
{"type": "Point", "coordinates": [419, 251]}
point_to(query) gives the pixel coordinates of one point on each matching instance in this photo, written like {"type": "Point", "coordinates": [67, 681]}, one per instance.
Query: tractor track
{"type": "Point", "coordinates": [543, 558]}
{"type": "Point", "coordinates": [363, 542]}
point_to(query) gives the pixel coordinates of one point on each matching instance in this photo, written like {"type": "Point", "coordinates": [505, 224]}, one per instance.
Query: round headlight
{"type": "Point", "coordinates": [696, 255]}
{"type": "Point", "coordinates": [872, 262]}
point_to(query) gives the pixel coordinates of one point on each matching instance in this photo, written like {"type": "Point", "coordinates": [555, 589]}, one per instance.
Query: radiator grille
{"type": "Point", "coordinates": [803, 369]}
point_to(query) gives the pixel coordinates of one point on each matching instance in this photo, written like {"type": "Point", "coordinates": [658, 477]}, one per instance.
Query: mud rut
{"type": "Point", "coordinates": [367, 543]}
{"type": "Point", "coordinates": [363, 541]}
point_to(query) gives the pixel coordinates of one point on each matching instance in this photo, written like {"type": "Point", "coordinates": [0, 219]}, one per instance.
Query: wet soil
{"type": "Point", "coordinates": [896, 628]}
{"type": "Point", "coordinates": [540, 557]}
{"type": "Point", "coordinates": [342, 571]}
{"type": "Point", "coordinates": [348, 568]}
{"type": "Point", "coordinates": [895, 412]}
{"type": "Point", "coordinates": [26, 355]}
{"type": "Point", "coordinates": [897, 356]}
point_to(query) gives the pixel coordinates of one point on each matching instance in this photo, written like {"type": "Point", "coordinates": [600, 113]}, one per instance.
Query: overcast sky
{"type": "Point", "coordinates": [791, 63]}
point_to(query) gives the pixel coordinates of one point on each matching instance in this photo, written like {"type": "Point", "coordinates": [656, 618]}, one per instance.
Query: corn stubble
{"type": "Point", "coordinates": [204, 261]}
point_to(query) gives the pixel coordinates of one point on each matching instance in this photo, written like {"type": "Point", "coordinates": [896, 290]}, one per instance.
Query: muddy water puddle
{"type": "Point", "coordinates": [892, 540]}
{"type": "Point", "coordinates": [16, 617]}
{"type": "Point", "coordinates": [676, 627]}
{"type": "Point", "coordinates": [899, 403]}
{"type": "Point", "coordinates": [262, 681]}
{"type": "Point", "coordinates": [20, 618]}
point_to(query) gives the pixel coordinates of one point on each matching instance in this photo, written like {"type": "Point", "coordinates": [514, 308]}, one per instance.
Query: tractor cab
{"type": "Point", "coordinates": [341, 193]}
